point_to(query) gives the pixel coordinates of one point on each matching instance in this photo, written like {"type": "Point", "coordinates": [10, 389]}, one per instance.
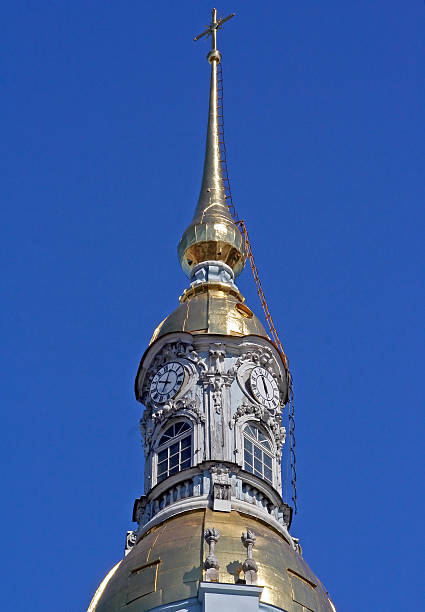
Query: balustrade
{"type": "Point", "coordinates": [200, 485]}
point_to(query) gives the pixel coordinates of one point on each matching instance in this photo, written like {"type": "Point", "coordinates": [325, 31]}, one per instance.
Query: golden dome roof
{"type": "Point", "coordinates": [212, 308]}
{"type": "Point", "coordinates": [166, 565]}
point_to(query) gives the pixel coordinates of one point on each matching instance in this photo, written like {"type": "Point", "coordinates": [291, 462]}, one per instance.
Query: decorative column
{"type": "Point", "coordinates": [249, 566]}
{"type": "Point", "coordinates": [211, 564]}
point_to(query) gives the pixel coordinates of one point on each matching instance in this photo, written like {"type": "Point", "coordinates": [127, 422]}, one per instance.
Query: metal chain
{"type": "Point", "coordinates": [273, 332]}
{"type": "Point", "coordinates": [291, 416]}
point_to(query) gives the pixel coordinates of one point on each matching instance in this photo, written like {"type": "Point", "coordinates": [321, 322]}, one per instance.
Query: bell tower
{"type": "Point", "coordinates": [212, 530]}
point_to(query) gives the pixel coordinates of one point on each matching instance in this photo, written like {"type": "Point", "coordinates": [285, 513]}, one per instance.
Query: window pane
{"type": "Point", "coordinates": [257, 434]}
{"type": "Point", "coordinates": [185, 443]}
{"type": "Point", "coordinates": [266, 444]}
{"type": "Point", "coordinates": [168, 434]}
{"type": "Point", "coordinates": [248, 446]}
{"type": "Point", "coordinates": [174, 460]}
{"type": "Point", "coordinates": [185, 454]}
{"type": "Point", "coordinates": [258, 465]}
{"type": "Point", "coordinates": [174, 470]}
{"type": "Point", "coordinates": [248, 468]}
{"type": "Point", "coordinates": [268, 474]}
{"type": "Point", "coordinates": [267, 460]}
{"type": "Point", "coordinates": [248, 457]}
{"type": "Point", "coordinates": [161, 477]}
{"type": "Point", "coordinates": [162, 467]}
{"type": "Point", "coordinates": [174, 448]}
{"type": "Point", "coordinates": [257, 473]}
{"type": "Point", "coordinates": [249, 429]}
{"type": "Point", "coordinates": [185, 464]}
{"type": "Point", "coordinates": [179, 427]}
{"type": "Point", "coordinates": [258, 452]}
{"type": "Point", "coordinates": [162, 455]}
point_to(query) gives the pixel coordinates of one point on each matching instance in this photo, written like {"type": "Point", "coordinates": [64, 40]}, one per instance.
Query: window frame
{"type": "Point", "coordinates": [256, 445]}
{"type": "Point", "coordinates": [166, 446]}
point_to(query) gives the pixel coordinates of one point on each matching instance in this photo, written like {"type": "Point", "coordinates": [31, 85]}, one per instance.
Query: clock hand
{"type": "Point", "coordinates": [265, 388]}
{"type": "Point", "coordinates": [165, 383]}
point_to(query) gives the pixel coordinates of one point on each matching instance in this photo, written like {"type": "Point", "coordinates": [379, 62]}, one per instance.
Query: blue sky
{"type": "Point", "coordinates": [103, 115]}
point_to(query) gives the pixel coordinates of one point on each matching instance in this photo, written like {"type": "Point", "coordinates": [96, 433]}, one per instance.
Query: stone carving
{"type": "Point", "coordinates": [173, 407]}
{"type": "Point", "coordinates": [211, 564]}
{"type": "Point", "coordinates": [147, 427]}
{"type": "Point", "coordinates": [139, 508]}
{"type": "Point", "coordinates": [279, 433]}
{"type": "Point", "coordinates": [250, 409]}
{"type": "Point", "coordinates": [258, 356]}
{"type": "Point", "coordinates": [217, 353]}
{"type": "Point", "coordinates": [217, 394]}
{"type": "Point", "coordinates": [186, 351]}
{"type": "Point", "coordinates": [220, 476]}
{"type": "Point", "coordinates": [249, 566]}
{"type": "Point", "coordinates": [297, 546]}
{"type": "Point", "coordinates": [215, 376]}
{"type": "Point", "coordinates": [130, 541]}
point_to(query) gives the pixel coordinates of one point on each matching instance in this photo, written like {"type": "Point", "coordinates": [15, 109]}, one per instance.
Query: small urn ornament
{"type": "Point", "coordinates": [211, 564]}
{"type": "Point", "coordinates": [250, 568]}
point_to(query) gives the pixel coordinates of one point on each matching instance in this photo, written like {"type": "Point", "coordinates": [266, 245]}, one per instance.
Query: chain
{"type": "Point", "coordinates": [291, 415]}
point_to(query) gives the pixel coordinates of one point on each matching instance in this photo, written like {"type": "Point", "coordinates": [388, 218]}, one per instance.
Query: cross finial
{"type": "Point", "coordinates": [213, 27]}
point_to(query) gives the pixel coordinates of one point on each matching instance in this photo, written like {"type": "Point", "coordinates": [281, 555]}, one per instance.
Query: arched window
{"type": "Point", "coordinates": [174, 450]}
{"type": "Point", "coordinates": [258, 453]}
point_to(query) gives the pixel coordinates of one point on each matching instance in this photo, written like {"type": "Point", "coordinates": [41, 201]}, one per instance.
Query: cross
{"type": "Point", "coordinates": [213, 27]}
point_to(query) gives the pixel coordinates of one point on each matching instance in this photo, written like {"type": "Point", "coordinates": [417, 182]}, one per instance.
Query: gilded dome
{"type": "Point", "coordinates": [212, 235]}
{"type": "Point", "coordinates": [166, 565]}
{"type": "Point", "coordinates": [212, 309]}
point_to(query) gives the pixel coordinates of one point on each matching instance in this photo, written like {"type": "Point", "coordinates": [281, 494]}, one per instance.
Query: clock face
{"type": "Point", "coordinates": [264, 388]}
{"type": "Point", "coordinates": [167, 382]}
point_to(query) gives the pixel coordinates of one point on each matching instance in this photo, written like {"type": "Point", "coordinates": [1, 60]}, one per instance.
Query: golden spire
{"type": "Point", "coordinates": [212, 234]}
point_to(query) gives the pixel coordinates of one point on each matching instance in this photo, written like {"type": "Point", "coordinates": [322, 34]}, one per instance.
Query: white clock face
{"type": "Point", "coordinates": [264, 388]}
{"type": "Point", "coordinates": [167, 382]}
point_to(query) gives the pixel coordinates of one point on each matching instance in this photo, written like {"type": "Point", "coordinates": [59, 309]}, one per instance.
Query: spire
{"type": "Point", "coordinates": [212, 234]}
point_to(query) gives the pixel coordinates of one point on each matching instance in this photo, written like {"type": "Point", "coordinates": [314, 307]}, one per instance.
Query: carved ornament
{"type": "Point", "coordinates": [249, 566]}
{"type": "Point", "coordinates": [220, 476]}
{"type": "Point", "coordinates": [175, 407]}
{"type": "Point", "coordinates": [272, 421]}
{"type": "Point", "coordinates": [211, 564]}
{"type": "Point", "coordinates": [257, 356]}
